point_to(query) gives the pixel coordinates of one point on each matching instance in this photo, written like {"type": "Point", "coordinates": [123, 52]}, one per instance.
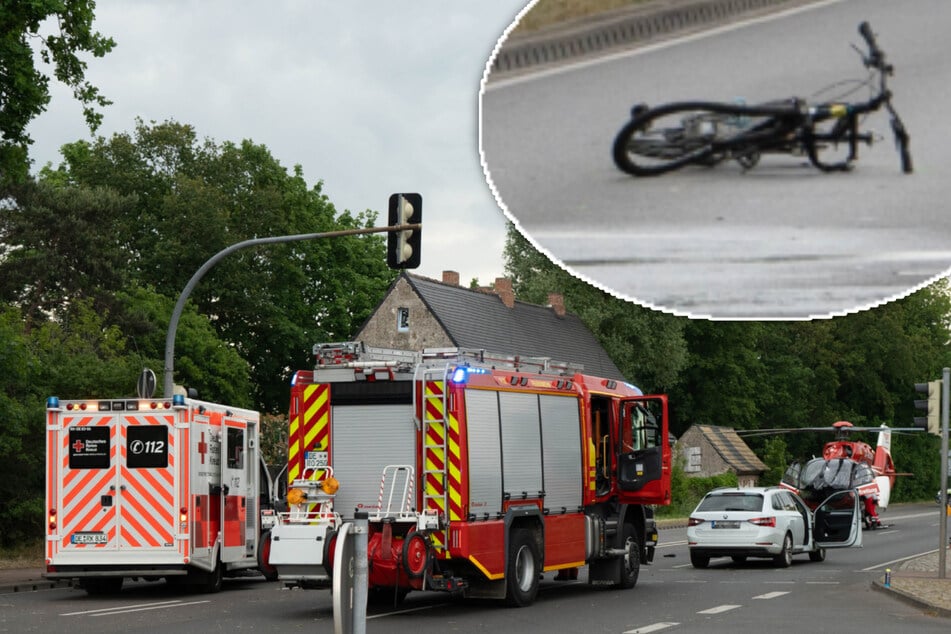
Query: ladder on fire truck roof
{"type": "Point", "coordinates": [355, 354]}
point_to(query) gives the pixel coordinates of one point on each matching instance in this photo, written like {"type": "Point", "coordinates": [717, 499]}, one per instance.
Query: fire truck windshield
{"type": "Point", "coordinates": [640, 426]}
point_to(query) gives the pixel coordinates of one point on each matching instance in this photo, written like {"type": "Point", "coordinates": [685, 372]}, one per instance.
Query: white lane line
{"type": "Point", "coordinates": [126, 609]}
{"type": "Point", "coordinates": [895, 561]}
{"type": "Point", "coordinates": [650, 48]}
{"type": "Point", "coordinates": [720, 609]}
{"type": "Point", "coordinates": [669, 544]}
{"type": "Point", "coordinates": [155, 607]}
{"type": "Point", "coordinates": [123, 607]}
{"type": "Point", "coordinates": [823, 583]}
{"type": "Point", "coordinates": [771, 595]}
{"type": "Point", "coordinates": [407, 611]}
{"type": "Point", "coordinates": [655, 627]}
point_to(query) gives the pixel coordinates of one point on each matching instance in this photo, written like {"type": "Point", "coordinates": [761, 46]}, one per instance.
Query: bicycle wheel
{"type": "Point", "coordinates": [667, 138]}
{"type": "Point", "coordinates": [832, 143]}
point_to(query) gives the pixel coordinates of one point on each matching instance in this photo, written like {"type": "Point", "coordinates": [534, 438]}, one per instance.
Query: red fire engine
{"type": "Point", "coordinates": [151, 488]}
{"type": "Point", "coordinates": [478, 472]}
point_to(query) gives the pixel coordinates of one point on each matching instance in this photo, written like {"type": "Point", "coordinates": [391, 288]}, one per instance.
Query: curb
{"type": "Point", "coordinates": [623, 28]}
{"type": "Point", "coordinates": [930, 608]}
{"type": "Point", "coordinates": [32, 585]}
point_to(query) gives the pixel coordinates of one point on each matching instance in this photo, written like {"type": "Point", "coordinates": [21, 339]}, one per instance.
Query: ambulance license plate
{"type": "Point", "coordinates": [89, 538]}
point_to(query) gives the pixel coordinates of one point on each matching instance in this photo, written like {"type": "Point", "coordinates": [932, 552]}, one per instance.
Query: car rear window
{"type": "Point", "coordinates": [731, 502]}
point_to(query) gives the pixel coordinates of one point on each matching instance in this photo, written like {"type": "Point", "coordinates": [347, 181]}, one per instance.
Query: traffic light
{"type": "Point", "coordinates": [403, 247]}
{"type": "Point", "coordinates": [932, 422]}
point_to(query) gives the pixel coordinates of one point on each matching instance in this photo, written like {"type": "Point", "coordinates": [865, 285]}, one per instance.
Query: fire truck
{"type": "Point", "coordinates": [477, 472]}
{"type": "Point", "coordinates": [151, 488]}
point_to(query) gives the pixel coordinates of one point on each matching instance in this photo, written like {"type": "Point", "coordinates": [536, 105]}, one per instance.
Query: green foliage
{"type": "Point", "coordinates": [647, 346]}
{"type": "Point", "coordinates": [754, 375]}
{"type": "Point", "coordinates": [686, 491]}
{"type": "Point", "coordinates": [274, 432]}
{"type": "Point", "coordinates": [151, 207]}
{"type": "Point", "coordinates": [776, 459]}
{"type": "Point", "coordinates": [24, 89]}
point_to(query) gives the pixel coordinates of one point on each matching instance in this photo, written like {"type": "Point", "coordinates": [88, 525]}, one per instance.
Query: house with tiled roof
{"type": "Point", "coordinates": [418, 312]}
{"type": "Point", "coordinates": [710, 450]}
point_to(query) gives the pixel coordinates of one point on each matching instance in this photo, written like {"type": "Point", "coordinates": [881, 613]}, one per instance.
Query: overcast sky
{"type": "Point", "coordinates": [371, 98]}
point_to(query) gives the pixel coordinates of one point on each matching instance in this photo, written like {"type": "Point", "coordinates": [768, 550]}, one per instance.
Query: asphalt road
{"type": "Point", "coordinates": [671, 595]}
{"type": "Point", "coordinates": [780, 241]}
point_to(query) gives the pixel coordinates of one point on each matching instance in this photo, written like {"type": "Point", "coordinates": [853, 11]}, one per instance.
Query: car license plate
{"type": "Point", "coordinates": [89, 538]}
{"type": "Point", "coordinates": [725, 524]}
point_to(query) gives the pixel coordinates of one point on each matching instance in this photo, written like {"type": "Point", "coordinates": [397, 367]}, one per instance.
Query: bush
{"type": "Point", "coordinates": [686, 491]}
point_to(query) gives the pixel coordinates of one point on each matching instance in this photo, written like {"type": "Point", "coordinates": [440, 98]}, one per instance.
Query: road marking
{"type": "Point", "coordinates": [895, 561]}
{"type": "Point", "coordinates": [772, 595]}
{"type": "Point", "coordinates": [720, 609]}
{"type": "Point", "coordinates": [648, 48]}
{"type": "Point", "coordinates": [407, 611]}
{"type": "Point", "coordinates": [125, 609]}
{"type": "Point", "coordinates": [669, 544]}
{"type": "Point", "coordinates": [656, 627]}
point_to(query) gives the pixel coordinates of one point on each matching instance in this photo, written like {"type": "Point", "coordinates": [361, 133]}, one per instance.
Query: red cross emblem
{"type": "Point", "coordinates": [202, 447]}
{"type": "Point", "coordinates": [78, 446]}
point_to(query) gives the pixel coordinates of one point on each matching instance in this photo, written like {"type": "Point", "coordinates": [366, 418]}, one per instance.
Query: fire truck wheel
{"type": "Point", "coordinates": [631, 563]}
{"type": "Point", "coordinates": [415, 555]}
{"type": "Point", "coordinates": [101, 585]}
{"type": "Point", "coordinates": [522, 570]}
{"type": "Point", "coordinates": [264, 555]}
{"type": "Point", "coordinates": [330, 540]}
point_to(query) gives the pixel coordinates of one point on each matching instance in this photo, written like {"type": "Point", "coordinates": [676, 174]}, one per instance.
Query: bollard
{"type": "Point", "coordinates": [360, 573]}
{"type": "Point", "coordinates": [888, 577]}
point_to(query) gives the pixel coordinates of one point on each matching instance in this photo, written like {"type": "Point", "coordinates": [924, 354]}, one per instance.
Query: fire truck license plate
{"type": "Point", "coordinates": [315, 459]}
{"type": "Point", "coordinates": [89, 538]}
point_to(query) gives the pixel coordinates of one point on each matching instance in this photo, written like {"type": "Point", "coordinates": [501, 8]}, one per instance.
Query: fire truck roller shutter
{"type": "Point", "coordinates": [521, 445]}
{"type": "Point", "coordinates": [561, 442]}
{"type": "Point", "coordinates": [485, 460]}
{"type": "Point", "coordinates": [365, 439]}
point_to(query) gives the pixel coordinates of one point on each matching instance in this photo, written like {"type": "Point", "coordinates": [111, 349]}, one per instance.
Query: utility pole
{"type": "Point", "coordinates": [943, 522]}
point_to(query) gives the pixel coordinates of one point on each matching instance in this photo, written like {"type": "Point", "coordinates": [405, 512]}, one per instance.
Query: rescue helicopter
{"type": "Point", "coordinates": [845, 464]}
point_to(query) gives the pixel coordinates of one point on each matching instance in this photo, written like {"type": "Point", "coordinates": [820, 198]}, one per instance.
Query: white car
{"type": "Point", "coordinates": [771, 522]}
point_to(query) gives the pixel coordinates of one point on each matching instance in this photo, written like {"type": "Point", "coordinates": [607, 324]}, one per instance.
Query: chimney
{"type": "Point", "coordinates": [557, 303]}
{"type": "Point", "coordinates": [450, 277]}
{"type": "Point", "coordinates": [503, 288]}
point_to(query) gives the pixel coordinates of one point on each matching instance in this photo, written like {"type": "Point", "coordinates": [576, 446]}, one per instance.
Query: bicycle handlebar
{"type": "Point", "coordinates": [876, 56]}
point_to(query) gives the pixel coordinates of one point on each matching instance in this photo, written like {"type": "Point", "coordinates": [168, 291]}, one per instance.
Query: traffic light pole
{"type": "Point", "coordinates": [943, 522]}
{"type": "Point", "coordinates": [168, 384]}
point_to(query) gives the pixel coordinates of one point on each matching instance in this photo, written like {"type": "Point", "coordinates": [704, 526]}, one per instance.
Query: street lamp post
{"type": "Point", "coordinates": [168, 384]}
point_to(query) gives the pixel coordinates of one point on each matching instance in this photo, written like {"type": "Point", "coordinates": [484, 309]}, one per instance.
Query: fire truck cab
{"type": "Point", "coordinates": [478, 472]}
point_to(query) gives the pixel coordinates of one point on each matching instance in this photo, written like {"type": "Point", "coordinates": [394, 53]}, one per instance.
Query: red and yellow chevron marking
{"type": "Point", "coordinates": [309, 429]}
{"type": "Point", "coordinates": [434, 459]}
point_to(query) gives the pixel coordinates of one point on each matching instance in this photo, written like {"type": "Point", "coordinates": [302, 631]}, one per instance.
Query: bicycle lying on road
{"type": "Point", "coordinates": [671, 136]}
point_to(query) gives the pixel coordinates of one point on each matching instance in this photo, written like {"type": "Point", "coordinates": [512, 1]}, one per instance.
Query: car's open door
{"type": "Point", "coordinates": [837, 522]}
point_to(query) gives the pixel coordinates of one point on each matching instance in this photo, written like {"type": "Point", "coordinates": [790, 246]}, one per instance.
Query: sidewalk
{"type": "Point", "coordinates": [28, 580]}
{"type": "Point", "coordinates": [916, 581]}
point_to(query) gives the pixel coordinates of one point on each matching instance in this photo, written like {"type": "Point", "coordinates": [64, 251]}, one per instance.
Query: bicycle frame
{"type": "Point", "coordinates": [788, 127]}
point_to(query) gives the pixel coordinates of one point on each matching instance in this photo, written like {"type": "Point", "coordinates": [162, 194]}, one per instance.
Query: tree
{"type": "Point", "coordinates": [65, 243]}
{"type": "Point", "coordinates": [24, 90]}
{"type": "Point", "coordinates": [180, 201]}
{"type": "Point", "coordinates": [647, 346]}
